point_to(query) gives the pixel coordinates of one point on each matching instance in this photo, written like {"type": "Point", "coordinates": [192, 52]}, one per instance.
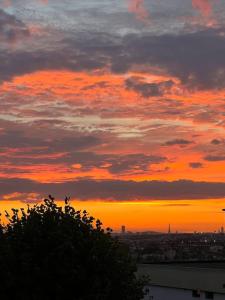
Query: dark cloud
{"type": "Point", "coordinates": [195, 58]}
{"type": "Point", "coordinates": [11, 29]}
{"type": "Point", "coordinates": [215, 158]}
{"type": "Point", "coordinates": [195, 165]}
{"type": "Point", "coordinates": [134, 162]}
{"type": "Point", "coordinates": [181, 142]}
{"type": "Point", "coordinates": [70, 142]}
{"type": "Point", "coordinates": [24, 197]}
{"type": "Point", "coordinates": [22, 145]}
{"type": "Point", "coordinates": [115, 164]}
{"type": "Point", "coordinates": [149, 89]}
{"type": "Point", "coordinates": [216, 142]}
{"type": "Point", "coordinates": [117, 190]}
{"type": "Point", "coordinates": [23, 62]}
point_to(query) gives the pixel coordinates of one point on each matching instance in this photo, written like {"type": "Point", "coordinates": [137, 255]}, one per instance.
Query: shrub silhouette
{"type": "Point", "coordinates": [52, 252]}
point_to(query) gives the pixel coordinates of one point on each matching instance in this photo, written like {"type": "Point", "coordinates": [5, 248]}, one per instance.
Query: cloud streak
{"type": "Point", "coordinates": [116, 190]}
{"type": "Point", "coordinates": [186, 59]}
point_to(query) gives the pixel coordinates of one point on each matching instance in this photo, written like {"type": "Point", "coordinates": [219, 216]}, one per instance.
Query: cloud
{"type": "Point", "coordinates": [195, 165]}
{"type": "Point", "coordinates": [94, 122]}
{"type": "Point", "coordinates": [196, 59]}
{"type": "Point", "coordinates": [23, 197]}
{"type": "Point", "coordinates": [181, 142]}
{"type": "Point", "coordinates": [176, 205]}
{"type": "Point", "coordinates": [216, 142]}
{"type": "Point", "coordinates": [117, 190]}
{"type": "Point", "coordinates": [27, 149]}
{"type": "Point", "coordinates": [134, 162]}
{"type": "Point", "coordinates": [12, 29]}
{"type": "Point", "coordinates": [20, 139]}
{"type": "Point", "coordinates": [25, 62]}
{"type": "Point", "coordinates": [185, 56]}
{"type": "Point", "coordinates": [214, 158]}
{"type": "Point", "coordinates": [84, 161]}
{"type": "Point", "coordinates": [146, 89]}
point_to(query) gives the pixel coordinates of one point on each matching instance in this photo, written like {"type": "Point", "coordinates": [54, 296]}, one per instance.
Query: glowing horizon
{"type": "Point", "coordinates": [183, 216]}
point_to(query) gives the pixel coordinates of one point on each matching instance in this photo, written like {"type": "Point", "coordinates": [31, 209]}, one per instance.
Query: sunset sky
{"type": "Point", "coordinates": [119, 104]}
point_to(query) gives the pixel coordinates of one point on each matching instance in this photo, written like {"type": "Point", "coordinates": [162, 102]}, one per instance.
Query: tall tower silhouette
{"type": "Point", "coordinates": [169, 229]}
{"type": "Point", "coordinates": [123, 229]}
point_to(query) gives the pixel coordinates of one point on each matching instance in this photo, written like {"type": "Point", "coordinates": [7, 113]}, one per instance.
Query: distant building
{"type": "Point", "coordinates": [184, 281]}
{"type": "Point", "coordinates": [170, 254]}
{"type": "Point", "coordinates": [123, 229]}
{"type": "Point", "coordinates": [169, 229]}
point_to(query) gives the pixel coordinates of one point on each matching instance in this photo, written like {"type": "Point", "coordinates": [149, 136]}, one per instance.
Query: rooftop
{"type": "Point", "coordinates": [193, 276]}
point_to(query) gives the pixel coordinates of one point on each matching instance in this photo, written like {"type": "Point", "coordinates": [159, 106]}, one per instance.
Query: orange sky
{"type": "Point", "coordinates": [185, 216]}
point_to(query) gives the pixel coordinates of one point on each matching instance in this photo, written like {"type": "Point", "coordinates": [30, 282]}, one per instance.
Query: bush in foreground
{"type": "Point", "coordinates": [52, 252]}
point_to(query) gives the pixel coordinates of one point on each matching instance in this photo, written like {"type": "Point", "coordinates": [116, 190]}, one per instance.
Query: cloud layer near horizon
{"type": "Point", "coordinates": [112, 190]}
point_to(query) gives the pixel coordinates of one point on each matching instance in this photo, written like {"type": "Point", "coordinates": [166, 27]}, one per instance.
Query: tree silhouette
{"type": "Point", "coordinates": [53, 252]}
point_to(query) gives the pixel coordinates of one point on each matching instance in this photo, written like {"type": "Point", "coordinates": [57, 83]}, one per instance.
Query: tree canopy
{"type": "Point", "coordinates": [53, 252]}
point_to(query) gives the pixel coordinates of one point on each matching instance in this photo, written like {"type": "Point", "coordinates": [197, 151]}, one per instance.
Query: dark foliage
{"type": "Point", "coordinates": [52, 252]}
